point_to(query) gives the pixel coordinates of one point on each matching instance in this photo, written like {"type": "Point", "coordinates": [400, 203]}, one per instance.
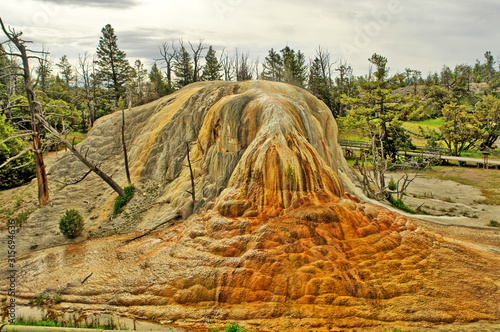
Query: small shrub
{"type": "Point", "coordinates": [33, 247]}
{"type": "Point", "coordinates": [494, 223]}
{"type": "Point", "coordinates": [71, 224]}
{"type": "Point", "coordinates": [121, 201]}
{"type": "Point", "coordinates": [392, 185]}
{"type": "Point", "coordinates": [233, 327]}
{"type": "Point", "coordinates": [57, 298]}
{"type": "Point", "coordinates": [22, 217]}
{"type": "Point", "coordinates": [400, 204]}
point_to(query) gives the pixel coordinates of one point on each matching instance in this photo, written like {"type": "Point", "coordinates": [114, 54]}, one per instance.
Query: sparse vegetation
{"type": "Point", "coordinates": [494, 223]}
{"type": "Point", "coordinates": [233, 327]}
{"type": "Point", "coordinates": [121, 201]}
{"type": "Point", "coordinates": [426, 194]}
{"type": "Point", "coordinates": [71, 224]}
{"type": "Point", "coordinates": [392, 185]}
{"type": "Point", "coordinates": [22, 217]}
{"type": "Point", "coordinates": [398, 203]}
{"type": "Point", "coordinates": [52, 319]}
{"type": "Point", "coordinates": [488, 181]}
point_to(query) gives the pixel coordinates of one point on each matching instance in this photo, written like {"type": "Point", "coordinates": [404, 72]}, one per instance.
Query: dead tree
{"type": "Point", "coordinates": [196, 59]}
{"type": "Point", "coordinates": [35, 110]}
{"type": "Point", "coordinates": [323, 55]}
{"type": "Point", "coordinates": [376, 175]}
{"type": "Point", "coordinates": [168, 56]}
{"type": "Point", "coordinates": [125, 155]}
{"type": "Point", "coordinates": [227, 65]}
{"type": "Point", "coordinates": [85, 75]}
{"type": "Point", "coordinates": [81, 157]}
{"type": "Point", "coordinates": [405, 181]}
{"type": "Point", "coordinates": [192, 192]}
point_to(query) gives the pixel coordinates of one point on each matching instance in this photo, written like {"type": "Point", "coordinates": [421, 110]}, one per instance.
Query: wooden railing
{"type": "Point", "coordinates": [358, 145]}
{"type": "Point", "coordinates": [424, 152]}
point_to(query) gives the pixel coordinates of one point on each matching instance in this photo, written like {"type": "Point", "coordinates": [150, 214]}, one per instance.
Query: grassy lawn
{"type": "Point", "coordinates": [78, 136]}
{"type": "Point", "coordinates": [436, 123]}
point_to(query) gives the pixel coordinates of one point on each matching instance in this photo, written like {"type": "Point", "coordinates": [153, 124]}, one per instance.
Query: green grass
{"type": "Point", "coordinates": [479, 154]}
{"type": "Point", "coordinates": [435, 123]}
{"type": "Point", "coordinates": [78, 136]}
{"type": "Point", "coordinates": [55, 320]}
{"type": "Point", "coordinates": [233, 327]}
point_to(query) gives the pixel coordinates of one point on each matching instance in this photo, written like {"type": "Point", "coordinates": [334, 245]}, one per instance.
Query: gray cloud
{"type": "Point", "coordinates": [423, 35]}
{"type": "Point", "coordinates": [96, 3]}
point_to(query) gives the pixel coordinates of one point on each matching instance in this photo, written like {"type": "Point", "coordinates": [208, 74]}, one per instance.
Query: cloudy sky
{"type": "Point", "coordinates": [420, 34]}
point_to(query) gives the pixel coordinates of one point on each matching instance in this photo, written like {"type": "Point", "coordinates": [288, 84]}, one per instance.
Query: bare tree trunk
{"type": "Point", "coordinates": [94, 98]}
{"type": "Point", "coordinates": [196, 59]}
{"type": "Point", "coordinates": [35, 109]}
{"type": "Point", "coordinates": [125, 156]}
{"type": "Point", "coordinates": [82, 158]}
{"type": "Point", "coordinates": [192, 192]}
{"type": "Point", "coordinates": [168, 57]}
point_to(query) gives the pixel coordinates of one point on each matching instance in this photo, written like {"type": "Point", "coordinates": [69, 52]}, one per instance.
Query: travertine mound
{"type": "Point", "coordinates": [277, 239]}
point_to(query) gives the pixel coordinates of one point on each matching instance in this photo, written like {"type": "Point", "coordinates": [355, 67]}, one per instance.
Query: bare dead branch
{"type": "Point", "coordinates": [193, 195]}
{"type": "Point", "coordinates": [77, 153]}
{"type": "Point", "coordinates": [17, 156]}
{"type": "Point", "coordinates": [16, 136]}
{"type": "Point", "coordinates": [88, 276]}
{"type": "Point", "coordinates": [169, 221]}
{"type": "Point", "coordinates": [23, 165]}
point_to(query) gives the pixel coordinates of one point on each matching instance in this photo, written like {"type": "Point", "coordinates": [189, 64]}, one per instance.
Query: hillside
{"type": "Point", "coordinates": [279, 237]}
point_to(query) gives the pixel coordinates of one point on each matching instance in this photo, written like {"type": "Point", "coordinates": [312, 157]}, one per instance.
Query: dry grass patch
{"type": "Point", "coordinates": [488, 181]}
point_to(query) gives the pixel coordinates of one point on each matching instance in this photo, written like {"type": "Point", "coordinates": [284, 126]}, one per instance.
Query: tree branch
{"type": "Point", "coordinates": [84, 160]}
{"type": "Point", "coordinates": [171, 220]}
{"type": "Point", "coordinates": [19, 155]}
{"type": "Point", "coordinates": [14, 137]}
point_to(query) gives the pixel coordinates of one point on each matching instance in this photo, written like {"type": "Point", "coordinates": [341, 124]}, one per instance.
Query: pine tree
{"type": "Point", "coordinates": [244, 72]}
{"type": "Point", "coordinates": [379, 106]}
{"type": "Point", "coordinates": [294, 68]}
{"type": "Point", "coordinates": [318, 83]}
{"type": "Point", "coordinates": [489, 69]}
{"type": "Point", "coordinates": [461, 129]}
{"type": "Point", "coordinates": [183, 67]}
{"type": "Point", "coordinates": [212, 68]}
{"type": "Point", "coordinates": [66, 70]}
{"type": "Point", "coordinates": [114, 67]}
{"type": "Point", "coordinates": [273, 67]}
{"type": "Point", "coordinates": [160, 87]}
{"type": "Point", "coordinates": [488, 114]}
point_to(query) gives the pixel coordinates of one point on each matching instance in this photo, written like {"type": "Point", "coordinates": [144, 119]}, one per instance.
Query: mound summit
{"type": "Point", "coordinates": [278, 238]}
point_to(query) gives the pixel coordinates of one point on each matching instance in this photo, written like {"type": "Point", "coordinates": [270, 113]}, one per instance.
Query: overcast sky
{"type": "Point", "coordinates": [420, 34]}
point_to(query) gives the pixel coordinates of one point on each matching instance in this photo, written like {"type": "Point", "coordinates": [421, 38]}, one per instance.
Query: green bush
{"type": "Point", "coordinates": [399, 204]}
{"type": "Point", "coordinates": [233, 327]}
{"type": "Point", "coordinates": [392, 185]}
{"type": "Point", "coordinates": [71, 224]}
{"type": "Point", "coordinates": [494, 223]}
{"type": "Point", "coordinates": [121, 201]}
{"type": "Point", "coordinates": [17, 171]}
